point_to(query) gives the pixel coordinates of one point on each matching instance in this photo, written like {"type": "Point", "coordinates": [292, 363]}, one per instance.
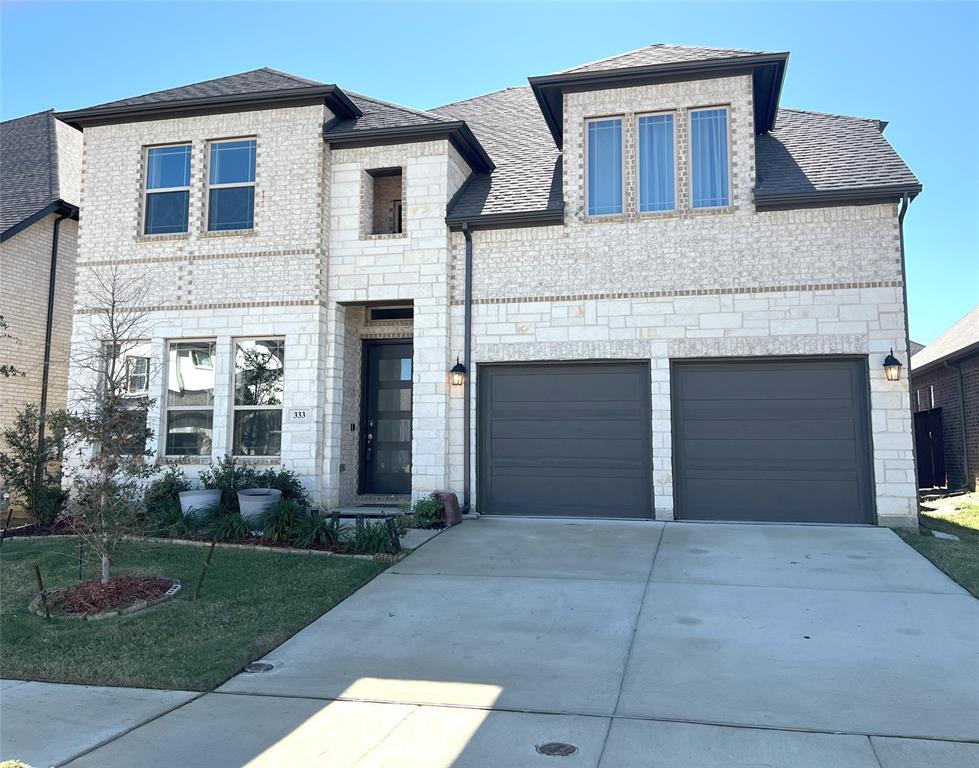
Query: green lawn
{"type": "Point", "coordinates": [959, 559]}
{"type": "Point", "coordinates": [250, 602]}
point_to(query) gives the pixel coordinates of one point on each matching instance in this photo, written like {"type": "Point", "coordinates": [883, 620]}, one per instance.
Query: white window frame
{"type": "Point", "coordinates": [147, 191]}
{"type": "Point", "coordinates": [208, 186]}
{"type": "Point", "coordinates": [676, 176]}
{"type": "Point", "coordinates": [730, 158]}
{"type": "Point", "coordinates": [235, 408]}
{"type": "Point", "coordinates": [130, 359]}
{"type": "Point", "coordinates": [585, 175]}
{"type": "Point", "coordinates": [165, 406]}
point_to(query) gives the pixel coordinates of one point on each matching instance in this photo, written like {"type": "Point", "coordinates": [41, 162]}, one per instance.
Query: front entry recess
{"type": "Point", "coordinates": [386, 443]}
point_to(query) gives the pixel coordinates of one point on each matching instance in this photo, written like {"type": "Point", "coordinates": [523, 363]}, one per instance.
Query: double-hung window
{"type": "Point", "coordinates": [231, 185]}
{"type": "Point", "coordinates": [259, 383]}
{"type": "Point", "coordinates": [127, 373]}
{"type": "Point", "coordinates": [166, 194]}
{"type": "Point", "coordinates": [709, 166]}
{"type": "Point", "coordinates": [657, 179]}
{"type": "Point", "coordinates": [190, 398]}
{"type": "Point", "coordinates": [604, 150]}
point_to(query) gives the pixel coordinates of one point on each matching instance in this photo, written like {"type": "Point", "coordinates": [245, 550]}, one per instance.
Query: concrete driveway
{"type": "Point", "coordinates": [641, 644]}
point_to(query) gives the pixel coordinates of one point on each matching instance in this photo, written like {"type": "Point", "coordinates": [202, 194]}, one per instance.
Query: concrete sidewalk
{"type": "Point", "coordinates": [641, 644]}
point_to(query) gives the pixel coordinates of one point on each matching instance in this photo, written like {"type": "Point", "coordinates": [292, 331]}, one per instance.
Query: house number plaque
{"type": "Point", "coordinates": [300, 414]}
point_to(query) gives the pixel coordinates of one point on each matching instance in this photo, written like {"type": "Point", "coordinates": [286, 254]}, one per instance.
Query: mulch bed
{"type": "Point", "coordinates": [57, 528]}
{"type": "Point", "coordinates": [121, 592]}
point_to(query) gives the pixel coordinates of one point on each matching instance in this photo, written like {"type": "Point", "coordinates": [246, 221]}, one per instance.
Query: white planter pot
{"type": "Point", "coordinates": [199, 502]}
{"type": "Point", "coordinates": [253, 503]}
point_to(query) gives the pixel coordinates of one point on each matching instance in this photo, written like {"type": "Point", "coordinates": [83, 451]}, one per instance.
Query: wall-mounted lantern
{"type": "Point", "coordinates": [458, 374]}
{"type": "Point", "coordinates": [892, 367]}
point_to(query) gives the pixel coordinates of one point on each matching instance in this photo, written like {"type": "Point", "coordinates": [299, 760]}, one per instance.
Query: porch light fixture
{"type": "Point", "coordinates": [458, 373]}
{"type": "Point", "coordinates": [892, 367]}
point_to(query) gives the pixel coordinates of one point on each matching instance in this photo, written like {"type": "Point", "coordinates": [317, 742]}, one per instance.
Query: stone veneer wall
{"type": "Point", "coordinates": [25, 269]}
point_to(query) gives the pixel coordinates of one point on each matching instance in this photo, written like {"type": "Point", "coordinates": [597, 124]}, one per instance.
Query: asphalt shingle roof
{"type": "Point", "coordinates": [660, 53]}
{"type": "Point", "coordinates": [809, 152]}
{"type": "Point", "coordinates": [964, 334]}
{"type": "Point", "coordinates": [383, 114]}
{"type": "Point", "coordinates": [511, 128]}
{"type": "Point", "coordinates": [29, 166]}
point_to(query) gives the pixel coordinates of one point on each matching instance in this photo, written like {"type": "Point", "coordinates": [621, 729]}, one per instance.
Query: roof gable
{"type": "Point", "coordinates": [659, 54]}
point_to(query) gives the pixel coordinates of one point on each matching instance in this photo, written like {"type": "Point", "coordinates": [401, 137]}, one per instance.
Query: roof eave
{"type": "Point", "coordinates": [331, 95]}
{"type": "Point", "coordinates": [548, 89]}
{"type": "Point", "coordinates": [858, 196]}
{"type": "Point", "coordinates": [966, 351]}
{"type": "Point", "coordinates": [58, 206]}
{"type": "Point", "coordinates": [456, 131]}
{"type": "Point", "coordinates": [509, 219]}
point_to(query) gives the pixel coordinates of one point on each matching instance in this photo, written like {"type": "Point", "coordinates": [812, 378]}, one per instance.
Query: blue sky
{"type": "Point", "coordinates": [914, 64]}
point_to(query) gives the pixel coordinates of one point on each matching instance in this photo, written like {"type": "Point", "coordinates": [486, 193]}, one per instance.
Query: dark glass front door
{"type": "Point", "coordinates": [386, 450]}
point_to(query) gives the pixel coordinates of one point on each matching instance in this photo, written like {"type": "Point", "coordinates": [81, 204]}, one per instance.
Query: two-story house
{"type": "Point", "coordinates": [638, 288]}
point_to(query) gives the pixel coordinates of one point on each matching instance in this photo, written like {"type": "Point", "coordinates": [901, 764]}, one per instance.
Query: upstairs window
{"type": "Point", "coordinates": [231, 185]}
{"type": "Point", "coordinates": [166, 195]}
{"type": "Point", "coordinates": [385, 210]}
{"type": "Point", "coordinates": [657, 184]}
{"type": "Point", "coordinates": [604, 149]}
{"type": "Point", "coordinates": [709, 174]}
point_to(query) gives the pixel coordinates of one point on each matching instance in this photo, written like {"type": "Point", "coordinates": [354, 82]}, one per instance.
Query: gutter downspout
{"type": "Point", "coordinates": [467, 361]}
{"type": "Point", "coordinates": [965, 445]}
{"type": "Point", "coordinates": [45, 370]}
{"type": "Point", "coordinates": [905, 202]}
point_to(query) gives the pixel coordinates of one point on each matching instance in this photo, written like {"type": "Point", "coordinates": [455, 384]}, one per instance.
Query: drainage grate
{"type": "Point", "coordinates": [258, 666]}
{"type": "Point", "coordinates": [556, 749]}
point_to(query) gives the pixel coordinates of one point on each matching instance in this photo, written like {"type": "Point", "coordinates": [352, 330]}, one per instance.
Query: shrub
{"type": "Point", "coordinates": [370, 538]}
{"type": "Point", "coordinates": [284, 480]}
{"type": "Point", "coordinates": [165, 490]}
{"type": "Point", "coordinates": [281, 519]}
{"type": "Point", "coordinates": [166, 519]}
{"type": "Point", "coordinates": [429, 513]}
{"type": "Point", "coordinates": [228, 526]}
{"type": "Point", "coordinates": [51, 500]}
{"type": "Point", "coordinates": [229, 476]}
{"type": "Point", "coordinates": [22, 461]}
{"type": "Point", "coordinates": [315, 531]}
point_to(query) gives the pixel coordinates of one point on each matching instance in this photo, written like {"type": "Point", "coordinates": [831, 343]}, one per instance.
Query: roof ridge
{"type": "Point", "coordinates": [391, 104]}
{"type": "Point", "coordinates": [609, 58]}
{"type": "Point", "coordinates": [297, 78]}
{"type": "Point", "coordinates": [483, 96]}
{"type": "Point", "coordinates": [829, 114]}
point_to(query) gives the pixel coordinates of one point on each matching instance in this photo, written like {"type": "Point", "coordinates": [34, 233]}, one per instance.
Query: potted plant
{"type": "Point", "coordinates": [199, 502]}
{"type": "Point", "coordinates": [254, 501]}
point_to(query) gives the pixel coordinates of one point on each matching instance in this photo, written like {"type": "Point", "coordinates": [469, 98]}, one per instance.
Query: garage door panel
{"type": "Point", "coordinates": [567, 439]}
{"type": "Point", "coordinates": [772, 439]}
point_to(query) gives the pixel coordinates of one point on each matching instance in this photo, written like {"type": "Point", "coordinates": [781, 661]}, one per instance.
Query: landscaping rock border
{"type": "Point", "coordinates": [37, 606]}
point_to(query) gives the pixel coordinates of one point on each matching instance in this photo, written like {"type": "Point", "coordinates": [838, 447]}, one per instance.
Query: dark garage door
{"type": "Point", "coordinates": [772, 440]}
{"type": "Point", "coordinates": [564, 440]}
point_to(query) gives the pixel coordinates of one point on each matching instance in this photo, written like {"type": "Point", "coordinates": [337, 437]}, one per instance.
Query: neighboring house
{"type": "Point", "coordinates": [667, 295]}
{"type": "Point", "coordinates": [915, 347]}
{"type": "Point", "coordinates": [945, 394]}
{"type": "Point", "coordinates": [40, 180]}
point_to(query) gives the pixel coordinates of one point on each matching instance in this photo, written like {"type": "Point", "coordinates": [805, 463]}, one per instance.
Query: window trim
{"type": "Point", "coordinates": [146, 192]}
{"type": "Point", "coordinates": [676, 176]}
{"type": "Point", "coordinates": [165, 406]}
{"type": "Point", "coordinates": [623, 172]}
{"type": "Point", "coordinates": [234, 407]}
{"type": "Point", "coordinates": [208, 186]}
{"type": "Point", "coordinates": [730, 158]}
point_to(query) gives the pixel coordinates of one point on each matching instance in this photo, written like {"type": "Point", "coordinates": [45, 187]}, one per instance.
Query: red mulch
{"type": "Point", "coordinates": [120, 592]}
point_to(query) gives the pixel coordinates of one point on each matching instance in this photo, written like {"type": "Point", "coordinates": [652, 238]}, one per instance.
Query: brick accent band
{"type": "Point", "coordinates": [197, 307]}
{"type": "Point", "coordinates": [692, 292]}
{"type": "Point", "coordinates": [199, 257]}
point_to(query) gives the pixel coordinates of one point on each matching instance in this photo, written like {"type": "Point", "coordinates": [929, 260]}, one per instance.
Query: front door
{"type": "Point", "coordinates": [386, 444]}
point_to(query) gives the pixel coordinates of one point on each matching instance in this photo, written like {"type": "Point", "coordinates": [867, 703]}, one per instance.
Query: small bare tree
{"type": "Point", "coordinates": [106, 423]}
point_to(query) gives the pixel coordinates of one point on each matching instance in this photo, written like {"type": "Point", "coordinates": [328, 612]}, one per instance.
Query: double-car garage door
{"type": "Point", "coordinates": [758, 439]}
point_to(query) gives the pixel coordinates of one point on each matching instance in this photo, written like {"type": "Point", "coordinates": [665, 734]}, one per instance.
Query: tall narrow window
{"type": "Point", "coordinates": [231, 185]}
{"type": "Point", "coordinates": [708, 158]}
{"type": "Point", "coordinates": [166, 193]}
{"type": "Point", "coordinates": [190, 398]}
{"type": "Point", "coordinates": [657, 186]}
{"type": "Point", "coordinates": [259, 380]}
{"type": "Point", "coordinates": [604, 167]}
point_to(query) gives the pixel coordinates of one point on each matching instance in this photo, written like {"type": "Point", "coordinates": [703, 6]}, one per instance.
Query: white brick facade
{"type": "Point", "coordinates": [722, 283]}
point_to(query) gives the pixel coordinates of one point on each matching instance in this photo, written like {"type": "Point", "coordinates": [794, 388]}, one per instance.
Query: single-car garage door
{"type": "Point", "coordinates": [564, 440]}
{"type": "Point", "coordinates": [772, 440]}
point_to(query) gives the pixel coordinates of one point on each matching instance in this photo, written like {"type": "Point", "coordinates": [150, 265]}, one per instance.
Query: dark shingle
{"type": "Point", "coordinates": [509, 124]}
{"type": "Point", "coordinates": [658, 54]}
{"type": "Point", "coordinates": [811, 152]}
{"type": "Point", "coordinates": [29, 168]}
{"type": "Point", "coordinates": [383, 114]}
